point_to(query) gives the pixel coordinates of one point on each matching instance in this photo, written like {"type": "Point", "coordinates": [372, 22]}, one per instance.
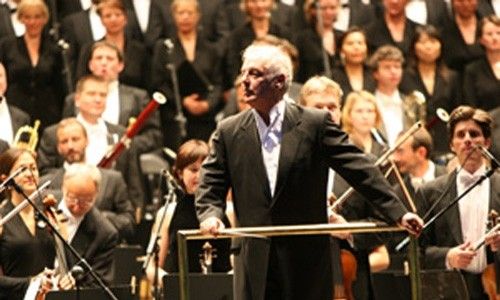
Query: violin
{"type": "Point", "coordinates": [489, 276]}
{"type": "Point", "coordinates": [49, 203]}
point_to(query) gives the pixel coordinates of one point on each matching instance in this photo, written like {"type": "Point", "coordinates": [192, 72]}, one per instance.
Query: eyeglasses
{"type": "Point", "coordinates": [82, 200]}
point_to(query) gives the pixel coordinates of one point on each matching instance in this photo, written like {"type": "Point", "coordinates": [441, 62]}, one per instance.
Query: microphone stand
{"type": "Point", "coordinates": [66, 244]}
{"type": "Point", "coordinates": [488, 174]}
{"type": "Point", "coordinates": [153, 250]}
{"type": "Point", "coordinates": [179, 116]}
{"type": "Point", "coordinates": [62, 44]}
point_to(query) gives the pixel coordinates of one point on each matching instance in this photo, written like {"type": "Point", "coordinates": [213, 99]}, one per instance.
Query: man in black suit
{"type": "Point", "coordinates": [7, 15]}
{"type": "Point", "coordinates": [145, 21]}
{"type": "Point", "coordinates": [275, 158]}
{"type": "Point", "coordinates": [112, 199]}
{"type": "Point", "coordinates": [123, 102]}
{"type": "Point", "coordinates": [11, 117]}
{"type": "Point", "coordinates": [450, 241]}
{"type": "Point", "coordinates": [87, 230]}
{"type": "Point", "coordinates": [90, 98]}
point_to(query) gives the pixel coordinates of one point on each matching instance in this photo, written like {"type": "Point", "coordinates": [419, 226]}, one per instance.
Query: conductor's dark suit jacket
{"type": "Point", "coordinates": [310, 144]}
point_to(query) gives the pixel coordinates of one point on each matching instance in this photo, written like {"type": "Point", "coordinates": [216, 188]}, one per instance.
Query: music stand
{"type": "Point", "coordinates": [436, 284]}
{"type": "Point", "coordinates": [213, 286]}
{"type": "Point", "coordinates": [122, 292]}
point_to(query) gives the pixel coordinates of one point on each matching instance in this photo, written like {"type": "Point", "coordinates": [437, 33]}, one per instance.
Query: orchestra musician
{"type": "Point", "coordinates": [449, 241]}
{"type": "Point", "coordinates": [245, 155]}
{"type": "Point", "coordinates": [181, 214]}
{"type": "Point", "coordinates": [26, 250]}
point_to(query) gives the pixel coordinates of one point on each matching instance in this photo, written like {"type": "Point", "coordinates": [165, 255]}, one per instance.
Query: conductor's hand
{"type": "Point", "coordinates": [412, 223]}
{"type": "Point", "coordinates": [212, 226]}
{"type": "Point", "coordinates": [460, 256]}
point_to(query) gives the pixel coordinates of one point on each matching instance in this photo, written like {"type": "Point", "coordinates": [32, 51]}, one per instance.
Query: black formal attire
{"type": "Point", "coordinates": [154, 30]}
{"type": "Point", "coordinates": [456, 53]}
{"type": "Point", "coordinates": [95, 241]}
{"type": "Point", "coordinates": [340, 76]}
{"type": "Point", "coordinates": [77, 31]}
{"type": "Point", "coordinates": [68, 7]}
{"type": "Point", "coordinates": [378, 34]}
{"type": "Point", "coordinates": [127, 163]}
{"type": "Point", "coordinates": [37, 90]}
{"type": "Point", "coordinates": [135, 58]}
{"type": "Point", "coordinates": [213, 25]}
{"type": "Point", "coordinates": [6, 28]}
{"type": "Point", "coordinates": [446, 95]}
{"type": "Point", "coordinates": [132, 102]}
{"type": "Point", "coordinates": [206, 66]}
{"type": "Point", "coordinates": [4, 146]}
{"type": "Point", "coordinates": [18, 118]}
{"type": "Point", "coordinates": [481, 86]}
{"type": "Point", "coordinates": [22, 255]}
{"type": "Point", "coordinates": [240, 38]}
{"type": "Point", "coordinates": [495, 134]}
{"type": "Point", "coordinates": [310, 144]}
{"type": "Point", "coordinates": [184, 217]}
{"type": "Point", "coordinates": [485, 8]}
{"type": "Point", "coordinates": [437, 13]}
{"type": "Point", "coordinates": [112, 199]}
{"type": "Point", "coordinates": [310, 48]}
{"type": "Point", "coordinates": [284, 15]}
{"type": "Point", "coordinates": [446, 232]}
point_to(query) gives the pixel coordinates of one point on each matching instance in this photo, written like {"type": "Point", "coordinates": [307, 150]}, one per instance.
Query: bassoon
{"type": "Point", "coordinates": [132, 130]}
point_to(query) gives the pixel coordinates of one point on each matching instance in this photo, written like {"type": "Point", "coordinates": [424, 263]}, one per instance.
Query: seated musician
{"type": "Point", "coordinates": [90, 98]}
{"type": "Point", "coordinates": [26, 250]}
{"type": "Point", "coordinates": [87, 230]}
{"type": "Point", "coordinates": [181, 214]}
{"type": "Point", "coordinates": [451, 239]}
{"type": "Point", "coordinates": [112, 199]}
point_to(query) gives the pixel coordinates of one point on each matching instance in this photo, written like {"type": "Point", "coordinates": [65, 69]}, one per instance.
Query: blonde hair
{"type": "Point", "coordinates": [26, 4]}
{"type": "Point", "coordinates": [319, 84]}
{"type": "Point", "coordinates": [351, 99]}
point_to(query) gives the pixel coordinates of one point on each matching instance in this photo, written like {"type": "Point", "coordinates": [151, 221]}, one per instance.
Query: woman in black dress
{"type": "Point", "coordinates": [318, 43]}
{"type": "Point", "coordinates": [482, 77]}
{"type": "Point", "coordinates": [34, 66]}
{"type": "Point", "coordinates": [427, 74]}
{"type": "Point", "coordinates": [25, 249]}
{"type": "Point", "coordinates": [114, 18]}
{"type": "Point", "coordinates": [197, 65]}
{"type": "Point", "coordinates": [181, 214]}
{"type": "Point", "coordinates": [352, 74]}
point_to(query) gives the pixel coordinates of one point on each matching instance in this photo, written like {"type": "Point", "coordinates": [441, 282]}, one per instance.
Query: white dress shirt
{"type": "Point", "coordinates": [19, 28]}
{"type": "Point", "coordinates": [474, 213]}
{"type": "Point", "coordinates": [429, 175]}
{"type": "Point", "coordinates": [86, 4]}
{"type": "Point", "coordinates": [112, 112]}
{"type": "Point", "coordinates": [73, 222]}
{"type": "Point", "coordinates": [270, 138]}
{"type": "Point", "coordinates": [98, 30]}
{"type": "Point", "coordinates": [6, 132]}
{"type": "Point", "coordinates": [391, 108]}
{"type": "Point", "coordinates": [97, 135]}
{"type": "Point", "coordinates": [416, 10]}
{"type": "Point", "coordinates": [142, 8]}
{"type": "Point", "coordinates": [343, 16]}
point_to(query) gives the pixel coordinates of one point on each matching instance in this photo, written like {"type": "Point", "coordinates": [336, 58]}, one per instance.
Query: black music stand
{"type": "Point", "coordinates": [123, 292]}
{"type": "Point", "coordinates": [436, 285]}
{"type": "Point", "coordinates": [213, 286]}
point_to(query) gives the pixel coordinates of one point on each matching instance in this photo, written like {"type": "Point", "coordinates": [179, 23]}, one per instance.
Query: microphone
{"type": "Point", "coordinates": [77, 272]}
{"type": "Point", "coordinates": [9, 179]}
{"type": "Point", "coordinates": [489, 155]}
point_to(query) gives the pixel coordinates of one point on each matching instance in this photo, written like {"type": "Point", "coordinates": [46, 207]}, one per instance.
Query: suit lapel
{"type": "Point", "coordinates": [126, 106]}
{"type": "Point", "coordinates": [249, 136]}
{"type": "Point", "coordinates": [453, 215]}
{"type": "Point", "coordinates": [290, 141]}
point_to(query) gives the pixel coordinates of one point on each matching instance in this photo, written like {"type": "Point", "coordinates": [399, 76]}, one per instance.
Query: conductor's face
{"type": "Point", "coordinates": [263, 88]}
